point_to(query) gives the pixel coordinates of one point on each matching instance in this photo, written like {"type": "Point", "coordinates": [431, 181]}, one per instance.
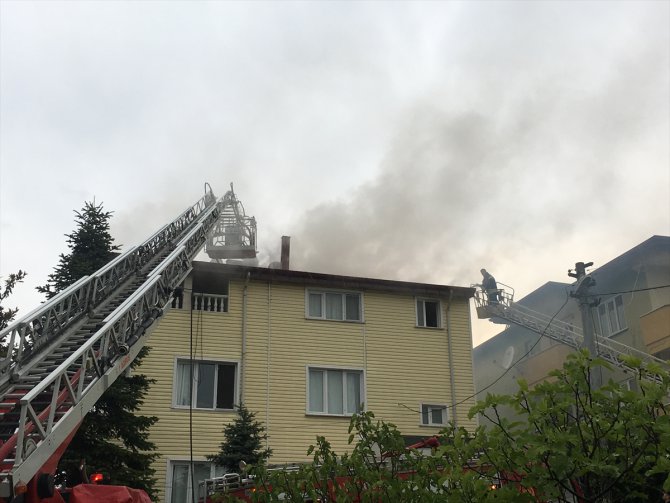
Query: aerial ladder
{"type": "Point", "coordinates": [60, 358]}
{"type": "Point", "coordinates": [505, 310]}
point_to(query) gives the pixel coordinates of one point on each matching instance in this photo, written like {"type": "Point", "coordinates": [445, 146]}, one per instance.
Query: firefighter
{"type": "Point", "coordinates": [489, 286]}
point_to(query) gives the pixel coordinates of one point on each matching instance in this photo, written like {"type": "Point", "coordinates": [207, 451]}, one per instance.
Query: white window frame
{"type": "Point", "coordinates": [185, 461]}
{"type": "Point", "coordinates": [423, 301]}
{"type": "Point", "coordinates": [432, 406]}
{"type": "Point", "coordinates": [608, 330]}
{"type": "Point", "coordinates": [343, 294]}
{"type": "Point", "coordinates": [358, 370]}
{"type": "Point", "coordinates": [216, 361]}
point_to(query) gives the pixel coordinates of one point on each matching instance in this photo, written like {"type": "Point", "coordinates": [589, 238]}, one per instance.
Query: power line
{"type": "Point", "coordinates": [629, 291]}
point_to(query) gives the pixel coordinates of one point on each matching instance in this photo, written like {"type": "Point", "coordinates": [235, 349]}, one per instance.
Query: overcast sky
{"type": "Point", "coordinates": [416, 141]}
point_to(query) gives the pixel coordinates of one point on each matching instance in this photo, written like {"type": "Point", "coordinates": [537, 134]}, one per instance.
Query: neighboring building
{"type": "Point", "coordinates": [634, 309]}
{"type": "Point", "coordinates": [304, 351]}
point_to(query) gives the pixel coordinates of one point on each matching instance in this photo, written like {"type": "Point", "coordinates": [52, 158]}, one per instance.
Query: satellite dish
{"type": "Point", "coordinates": [508, 357]}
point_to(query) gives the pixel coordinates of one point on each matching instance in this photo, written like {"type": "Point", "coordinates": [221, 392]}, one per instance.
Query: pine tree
{"type": "Point", "coordinates": [7, 315]}
{"type": "Point", "coordinates": [242, 442]}
{"type": "Point", "coordinates": [112, 439]}
{"type": "Point", "coordinates": [91, 247]}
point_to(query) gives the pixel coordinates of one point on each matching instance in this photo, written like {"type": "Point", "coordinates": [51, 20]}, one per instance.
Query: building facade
{"type": "Point", "coordinates": [633, 308]}
{"type": "Point", "coordinates": [304, 351]}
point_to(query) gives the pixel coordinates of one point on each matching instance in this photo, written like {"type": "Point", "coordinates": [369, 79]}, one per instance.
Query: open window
{"type": "Point", "coordinates": [202, 384]}
{"type": "Point", "coordinates": [428, 313]}
{"type": "Point", "coordinates": [210, 293]}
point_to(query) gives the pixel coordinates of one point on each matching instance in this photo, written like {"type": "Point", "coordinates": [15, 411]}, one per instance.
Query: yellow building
{"type": "Point", "coordinates": [304, 351]}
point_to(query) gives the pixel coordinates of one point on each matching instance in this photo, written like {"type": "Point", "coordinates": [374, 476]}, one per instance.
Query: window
{"type": "Point", "coordinates": [334, 391]}
{"type": "Point", "coordinates": [210, 293]}
{"type": "Point", "coordinates": [428, 313]}
{"type": "Point", "coordinates": [343, 306]}
{"type": "Point", "coordinates": [433, 415]}
{"type": "Point", "coordinates": [179, 479]}
{"type": "Point", "coordinates": [214, 384]}
{"type": "Point", "coordinates": [609, 317]}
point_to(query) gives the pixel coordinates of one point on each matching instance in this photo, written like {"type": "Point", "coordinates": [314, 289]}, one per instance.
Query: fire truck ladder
{"type": "Point", "coordinates": [505, 309]}
{"type": "Point", "coordinates": [62, 356]}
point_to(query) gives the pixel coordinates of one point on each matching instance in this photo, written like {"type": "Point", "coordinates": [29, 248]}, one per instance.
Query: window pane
{"type": "Point", "coordinates": [432, 313]}
{"type": "Point", "coordinates": [353, 392]}
{"type": "Point", "coordinates": [179, 483]}
{"type": "Point", "coordinates": [596, 321]}
{"type": "Point", "coordinates": [420, 318]}
{"type": "Point", "coordinates": [333, 306]}
{"type": "Point", "coordinates": [316, 391]}
{"type": "Point", "coordinates": [225, 389]}
{"type": "Point", "coordinates": [614, 324]}
{"type": "Point", "coordinates": [353, 307]}
{"type": "Point", "coordinates": [424, 415]}
{"type": "Point", "coordinates": [315, 305]}
{"type": "Point", "coordinates": [437, 413]}
{"type": "Point", "coordinates": [618, 301]}
{"type": "Point", "coordinates": [202, 471]}
{"type": "Point", "coordinates": [182, 383]}
{"type": "Point", "coordinates": [335, 392]}
{"type": "Point", "coordinates": [604, 322]}
{"type": "Point", "coordinates": [205, 386]}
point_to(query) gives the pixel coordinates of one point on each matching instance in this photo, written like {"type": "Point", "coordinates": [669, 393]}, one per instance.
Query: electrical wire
{"type": "Point", "coordinates": [628, 291]}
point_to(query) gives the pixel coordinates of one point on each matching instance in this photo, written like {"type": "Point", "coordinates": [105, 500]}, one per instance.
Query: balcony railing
{"type": "Point", "coordinates": [209, 302]}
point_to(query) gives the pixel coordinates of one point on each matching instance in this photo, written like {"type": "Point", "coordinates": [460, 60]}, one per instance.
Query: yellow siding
{"type": "Point", "coordinates": [404, 365]}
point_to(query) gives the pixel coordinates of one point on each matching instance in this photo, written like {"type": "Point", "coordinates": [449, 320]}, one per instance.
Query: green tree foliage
{"type": "Point", "coordinates": [574, 443]}
{"type": "Point", "coordinates": [8, 314]}
{"type": "Point", "coordinates": [378, 469]}
{"type": "Point", "coordinates": [243, 441]}
{"type": "Point", "coordinates": [112, 438]}
{"type": "Point", "coordinates": [606, 444]}
{"type": "Point", "coordinates": [91, 247]}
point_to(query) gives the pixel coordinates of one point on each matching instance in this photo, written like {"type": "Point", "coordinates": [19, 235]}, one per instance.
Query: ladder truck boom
{"type": "Point", "coordinates": [508, 311]}
{"type": "Point", "coordinates": [62, 356]}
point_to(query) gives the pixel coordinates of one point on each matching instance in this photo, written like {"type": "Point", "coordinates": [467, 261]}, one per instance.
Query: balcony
{"type": "Point", "coordinates": [209, 302]}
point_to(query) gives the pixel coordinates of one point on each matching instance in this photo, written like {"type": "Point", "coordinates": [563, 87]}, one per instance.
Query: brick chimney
{"type": "Point", "coordinates": [285, 251]}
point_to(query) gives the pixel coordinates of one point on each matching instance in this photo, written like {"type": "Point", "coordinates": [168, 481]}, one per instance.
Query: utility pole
{"type": "Point", "coordinates": [581, 292]}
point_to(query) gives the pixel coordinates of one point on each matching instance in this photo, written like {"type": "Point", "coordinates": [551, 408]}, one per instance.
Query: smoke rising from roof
{"type": "Point", "coordinates": [535, 167]}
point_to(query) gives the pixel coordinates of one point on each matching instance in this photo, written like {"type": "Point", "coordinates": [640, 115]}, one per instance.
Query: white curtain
{"type": "Point", "coordinates": [333, 306]}
{"type": "Point", "coordinates": [335, 392]}
{"type": "Point", "coordinates": [316, 391]}
{"type": "Point", "coordinates": [180, 490]}
{"type": "Point", "coordinates": [182, 384]}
